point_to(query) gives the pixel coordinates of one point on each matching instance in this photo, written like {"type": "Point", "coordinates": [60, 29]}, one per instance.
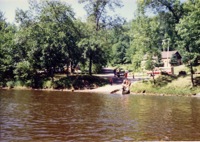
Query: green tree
{"type": "Point", "coordinates": [97, 11]}
{"type": "Point", "coordinates": [146, 39]}
{"type": "Point", "coordinates": [189, 31]}
{"type": "Point", "coordinates": [54, 22]}
{"type": "Point", "coordinates": [94, 47]}
{"type": "Point", "coordinates": [61, 35]}
{"type": "Point", "coordinates": [7, 32]}
{"type": "Point", "coordinates": [174, 7]}
{"type": "Point", "coordinates": [120, 44]}
{"type": "Point", "coordinates": [150, 65]}
{"type": "Point", "coordinates": [48, 35]}
{"type": "Point", "coordinates": [97, 21]}
{"type": "Point", "coordinates": [169, 13]}
{"type": "Point", "coordinates": [23, 73]}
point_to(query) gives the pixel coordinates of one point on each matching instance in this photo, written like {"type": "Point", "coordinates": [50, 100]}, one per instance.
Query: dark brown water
{"type": "Point", "coordinates": [62, 116]}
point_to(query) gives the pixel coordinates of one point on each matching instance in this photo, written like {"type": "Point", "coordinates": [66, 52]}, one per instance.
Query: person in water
{"type": "Point", "coordinates": [126, 86]}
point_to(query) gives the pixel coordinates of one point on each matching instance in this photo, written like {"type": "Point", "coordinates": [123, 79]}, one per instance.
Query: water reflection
{"type": "Point", "coordinates": [65, 116]}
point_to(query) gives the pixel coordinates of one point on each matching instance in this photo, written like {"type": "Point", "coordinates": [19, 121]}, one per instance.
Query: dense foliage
{"type": "Point", "coordinates": [48, 38]}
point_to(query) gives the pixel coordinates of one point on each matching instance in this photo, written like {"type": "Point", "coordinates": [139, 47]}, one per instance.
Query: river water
{"type": "Point", "coordinates": [70, 116]}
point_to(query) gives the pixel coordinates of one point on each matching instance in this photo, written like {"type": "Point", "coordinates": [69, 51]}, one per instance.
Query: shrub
{"type": "Point", "coordinates": [47, 84]}
{"type": "Point", "coordinates": [78, 84]}
{"type": "Point", "coordinates": [10, 84]}
{"type": "Point", "coordinates": [23, 71]}
{"type": "Point", "coordinates": [19, 83]}
{"type": "Point", "coordinates": [62, 83]}
{"type": "Point", "coordinates": [96, 68]}
{"type": "Point", "coordinates": [58, 85]}
{"type": "Point", "coordinates": [182, 73]}
{"type": "Point", "coordinates": [163, 80]}
{"type": "Point", "coordinates": [28, 83]}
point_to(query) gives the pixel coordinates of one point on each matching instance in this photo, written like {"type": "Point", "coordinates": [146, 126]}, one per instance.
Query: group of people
{"type": "Point", "coordinates": [117, 73]}
{"type": "Point", "coordinates": [125, 84]}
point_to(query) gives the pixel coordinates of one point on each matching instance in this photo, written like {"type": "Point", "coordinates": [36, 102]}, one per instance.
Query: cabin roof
{"type": "Point", "coordinates": [164, 54]}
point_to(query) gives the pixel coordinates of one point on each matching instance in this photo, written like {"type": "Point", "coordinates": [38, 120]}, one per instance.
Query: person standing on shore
{"type": "Point", "coordinates": [111, 81]}
{"type": "Point", "coordinates": [126, 74]}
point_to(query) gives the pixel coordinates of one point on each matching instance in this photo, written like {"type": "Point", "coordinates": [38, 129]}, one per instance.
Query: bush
{"type": "Point", "coordinates": [163, 80]}
{"type": "Point", "coordinates": [58, 85]}
{"type": "Point", "coordinates": [62, 83]}
{"type": "Point", "coordinates": [47, 84]}
{"type": "Point", "coordinates": [10, 84]}
{"type": "Point", "coordinates": [28, 83]}
{"type": "Point", "coordinates": [182, 73]}
{"type": "Point", "coordinates": [23, 71]}
{"type": "Point", "coordinates": [96, 68]}
{"type": "Point", "coordinates": [78, 84]}
{"type": "Point", "coordinates": [19, 83]}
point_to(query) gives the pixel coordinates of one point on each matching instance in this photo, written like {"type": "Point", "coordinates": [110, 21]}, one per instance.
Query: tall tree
{"type": "Point", "coordinates": [98, 20]}
{"type": "Point", "coordinates": [7, 32]}
{"type": "Point", "coordinates": [120, 44]}
{"type": "Point", "coordinates": [175, 7]}
{"type": "Point", "coordinates": [146, 39]}
{"type": "Point", "coordinates": [94, 47]}
{"type": "Point", "coordinates": [189, 31]}
{"type": "Point", "coordinates": [97, 11]}
{"type": "Point", "coordinates": [169, 13]}
{"type": "Point", "coordinates": [49, 34]}
{"type": "Point", "coordinates": [61, 35]}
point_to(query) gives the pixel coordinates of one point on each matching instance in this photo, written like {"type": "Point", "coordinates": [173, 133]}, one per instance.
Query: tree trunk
{"type": "Point", "coordinates": [154, 82]}
{"type": "Point", "coordinates": [192, 72]}
{"type": "Point", "coordinates": [90, 66]}
{"type": "Point", "coordinates": [71, 66]}
{"type": "Point", "coordinates": [67, 69]}
{"type": "Point", "coordinates": [35, 80]}
{"type": "Point", "coordinates": [52, 73]}
{"type": "Point", "coordinates": [191, 68]}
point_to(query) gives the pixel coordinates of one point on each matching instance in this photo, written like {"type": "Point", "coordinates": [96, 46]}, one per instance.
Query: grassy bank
{"type": "Point", "coordinates": [167, 85]}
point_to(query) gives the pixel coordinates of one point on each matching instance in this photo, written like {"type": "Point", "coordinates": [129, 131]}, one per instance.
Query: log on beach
{"type": "Point", "coordinates": [114, 91]}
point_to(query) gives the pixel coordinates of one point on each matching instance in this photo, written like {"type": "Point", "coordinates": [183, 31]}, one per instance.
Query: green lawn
{"type": "Point", "coordinates": [170, 85]}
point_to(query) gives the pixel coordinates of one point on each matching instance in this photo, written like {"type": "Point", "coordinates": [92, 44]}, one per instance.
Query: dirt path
{"type": "Point", "coordinates": [117, 81]}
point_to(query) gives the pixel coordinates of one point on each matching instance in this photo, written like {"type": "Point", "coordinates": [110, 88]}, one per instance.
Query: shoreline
{"type": "Point", "coordinates": [51, 89]}
{"type": "Point", "coordinates": [98, 90]}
